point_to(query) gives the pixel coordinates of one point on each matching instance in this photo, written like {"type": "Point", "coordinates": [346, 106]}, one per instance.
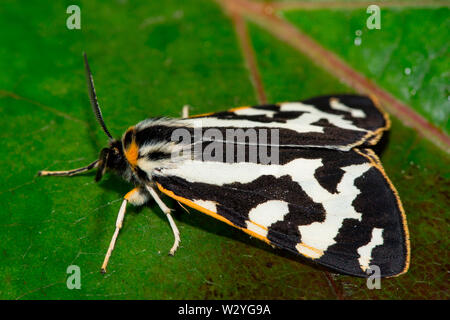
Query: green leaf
{"type": "Point", "coordinates": [408, 56]}
{"type": "Point", "coordinates": [149, 59]}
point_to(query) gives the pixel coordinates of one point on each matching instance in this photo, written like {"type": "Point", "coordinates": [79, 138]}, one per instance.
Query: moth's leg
{"type": "Point", "coordinates": [69, 172]}
{"type": "Point", "coordinates": [185, 111]}
{"type": "Point", "coordinates": [137, 197]}
{"type": "Point", "coordinates": [166, 210]}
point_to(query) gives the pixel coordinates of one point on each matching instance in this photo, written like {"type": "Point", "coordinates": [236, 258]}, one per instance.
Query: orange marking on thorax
{"type": "Point", "coordinates": [132, 151]}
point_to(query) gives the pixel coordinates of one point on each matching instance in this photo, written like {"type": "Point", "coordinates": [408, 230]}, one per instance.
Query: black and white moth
{"type": "Point", "coordinates": [327, 197]}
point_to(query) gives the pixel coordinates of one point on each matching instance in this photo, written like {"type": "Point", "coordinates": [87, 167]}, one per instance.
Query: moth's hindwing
{"type": "Point", "coordinates": [334, 122]}
{"type": "Point", "coordinates": [336, 208]}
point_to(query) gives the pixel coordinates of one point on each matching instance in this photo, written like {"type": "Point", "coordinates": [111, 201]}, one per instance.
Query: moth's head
{"type": "Point", "coordinates": [111, 158]}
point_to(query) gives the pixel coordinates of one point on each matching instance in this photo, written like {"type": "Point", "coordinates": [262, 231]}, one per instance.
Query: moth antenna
{"type": "Point", "coordinates": [93, 97]}
{"type": "Point", "coordinates": [69, 172]}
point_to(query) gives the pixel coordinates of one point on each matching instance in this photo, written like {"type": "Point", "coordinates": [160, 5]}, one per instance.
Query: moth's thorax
{"type": "Point", "coordinates": [148, 146]}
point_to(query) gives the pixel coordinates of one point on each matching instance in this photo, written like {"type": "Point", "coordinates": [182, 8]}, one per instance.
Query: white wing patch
{"type": "Point", "coordinates": [254, 112]}
{"type": "Point", "coordinates": [365, 252]}
{"type": "Point", "coordinates": [207, 204]}
{"type": "Point", "coordinates": [312, 115]}
{"type": "Point", "coordinates": [337, 105]}
{"type": "Point", "coordinates": [320, 235]}
{"type": "Point", "coordinates": [266, 214]}
{"type": "Point", "coordinates": [200, 171]}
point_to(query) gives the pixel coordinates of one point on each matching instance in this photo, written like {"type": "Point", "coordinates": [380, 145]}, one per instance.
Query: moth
{"type": "Point", "coordinates": [322, 193]}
